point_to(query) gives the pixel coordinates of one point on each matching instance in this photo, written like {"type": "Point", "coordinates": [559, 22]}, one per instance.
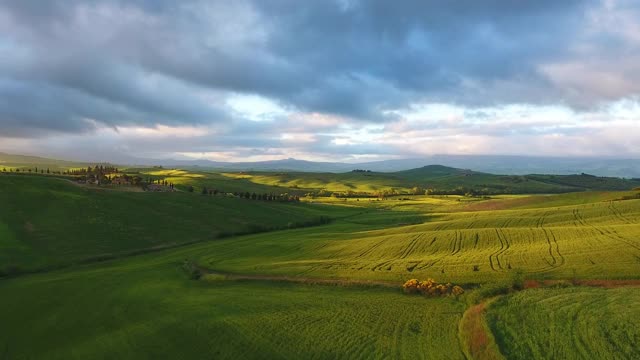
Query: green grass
{"type": "Point", "coordinates": [211, 180]}
{"type": "Point", "coordinates": [47, 222]}
{"type": "Point", "coordinates": [572, 323]}
{"type": "Point", "coordinates": [591, 241]}
{"type": "Point", "coordinates": [145, 307]}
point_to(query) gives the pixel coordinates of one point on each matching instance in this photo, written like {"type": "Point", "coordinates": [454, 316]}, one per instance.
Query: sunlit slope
{"type": "Point", "coordinates": [145, 307]}
{"type": "Point", "coordinates": [212, 180]}
{"type": "Point", "coordinates": [440, 178]}
{"type": "Point", "coordinates": [342, 182]}
{"type": "Point", "coordinates": [597, 240]}
{"type": "Point", "coordinates": [574, 323]}
{"type": "Point", "coordinates": [9, 162]}
{"type": "Point", "coordinates": [46, 222]}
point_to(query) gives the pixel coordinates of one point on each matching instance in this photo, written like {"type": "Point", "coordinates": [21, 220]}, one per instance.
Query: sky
{"type": "Point", "coordinates": [343, 80]}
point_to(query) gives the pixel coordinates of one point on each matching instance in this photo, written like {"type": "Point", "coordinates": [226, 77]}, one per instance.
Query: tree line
{"type": "Point", "coordinates": [284, 197]}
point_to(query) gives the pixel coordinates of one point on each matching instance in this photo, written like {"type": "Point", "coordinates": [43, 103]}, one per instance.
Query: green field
{"type": "Point", "coordinates": [47, 222]}
{"type": "Point", "coordinates": [318, 288]}
{"type": "Point", "coordinates": [147, 308]}
{"type": "Point", "coordinates": [573, 323]}
{"type": "Point", "coordinates": [597, 240]}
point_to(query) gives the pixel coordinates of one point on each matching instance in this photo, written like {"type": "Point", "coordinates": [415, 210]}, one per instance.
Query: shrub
{"type": "Point", "coordinates": [430, 287]}
{"type": "Point", "coordinates": [457, 290]}
{"type": "Point", "coordinates": [411, 286]}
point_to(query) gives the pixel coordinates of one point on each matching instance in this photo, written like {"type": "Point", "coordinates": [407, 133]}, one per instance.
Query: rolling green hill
{"type": "Point", "coordinates": [10, 161]}
{"type": "Point", "coordinates": [441, 179]}
{"type": "Point", "coordinates": [47, 222]}
{"type": "Point", "coordinates": [595, 240]}
{"type": "Point", "coordinates": [327, 291]}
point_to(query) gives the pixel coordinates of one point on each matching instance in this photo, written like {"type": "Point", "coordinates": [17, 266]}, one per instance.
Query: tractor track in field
{"type": "Point", "coordinates": [618, 213]}
{"type": "Point", "coordinates": [381, 266]}
{"type": "Point", "coordinates": [617, 237]}
{"type": "Point", "coordinates": [553, 258]}
{"type": "Point", "coordinates": [371, 249]}
{"type": "Point", "coordinates": [494, 259]}
{"type": "Point", "coordinates": [457, 243]}
{"type": "Point", "coordinates": [541, 219]}
{"type": "Point", "coordinates": [553, 245]}
{"type": "Point", "coordinates": [411, 246]}
{"type": "Point", "coordinates": [577, 216]}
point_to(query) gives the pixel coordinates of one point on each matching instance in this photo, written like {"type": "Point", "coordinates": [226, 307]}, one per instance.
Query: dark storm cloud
{"type": "Point", "coordinates": [69, 65]}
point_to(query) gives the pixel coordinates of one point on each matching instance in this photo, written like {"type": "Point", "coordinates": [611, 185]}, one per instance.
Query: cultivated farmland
{"type": "Point", "coordinates": [596, 240]}
{"type": "Point", "coordinates": [571, 323]}
{"type": "Point", "coordinates": [171, 274]}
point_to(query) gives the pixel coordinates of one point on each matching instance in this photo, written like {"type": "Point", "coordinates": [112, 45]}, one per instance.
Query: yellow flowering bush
{"type": "Point", "coordinates": [457, 291]}
{"type": "Point", "coordinates": [411, 286]}
{"type": "Point", "coordinates": [430, 287]}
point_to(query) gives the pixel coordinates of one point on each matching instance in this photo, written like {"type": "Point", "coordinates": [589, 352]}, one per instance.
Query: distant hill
{"type": "Point", "coordinates": [494, 164]}
{"type": "Point", "coordinates": [508, 165]}
{"type": "Point", "coordinates": [433, 172]}
{"type": "Point", "coordinates": [440, 179]}
{"type": "Point", "coordinates": [447, 177]}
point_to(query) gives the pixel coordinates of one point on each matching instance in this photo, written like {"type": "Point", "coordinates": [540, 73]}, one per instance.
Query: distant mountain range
{"type": "Point", "coordinates": [508, 165]}
{"type": "Point", "coordinates": [495, 164]}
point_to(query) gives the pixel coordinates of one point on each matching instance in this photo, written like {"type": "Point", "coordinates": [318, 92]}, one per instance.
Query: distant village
{"type": "Point", "coordinates": [106, 175]}
{"type": "Point", "coordinates": [109, 175]}
{"type": "Point", "coordinates": [103, 175]}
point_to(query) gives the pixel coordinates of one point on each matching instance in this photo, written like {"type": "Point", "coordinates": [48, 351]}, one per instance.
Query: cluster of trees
{"type": "Point", "coordinates": [29, 170]}
{"type": "Point", "coordinates": [285, 197]}
{"type": "Point", "coordinates": [337, 194]}
{"type": "Point", "coordinates": [96, 170]}
{"type": "Point", "coordinates": [163, 182]}
{"type": "Point", "coordinates": [360, 171]}
{"type": "Point", "coordinates": [430, 287]}
{"type": "Point", "coordinates": [382, 194]}
{"type": "Point", "coordinates": [98, 174]}
{"type": "Point", "coordinates": [464, 191]}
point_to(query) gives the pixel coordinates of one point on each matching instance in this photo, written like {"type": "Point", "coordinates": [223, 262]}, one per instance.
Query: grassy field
{"type": "Point", "coordinates": [47, 222]}
{"type": "Point", "coordinates": [212, 180]}
{"type": "Point", "coordinates": [594, 240]}
{"type": "Point", "coordinates": [147, 308]}
{"type": "Point", "coordinates": [142, 304]}
{"type": "Point", "coordinates": [572, 323]}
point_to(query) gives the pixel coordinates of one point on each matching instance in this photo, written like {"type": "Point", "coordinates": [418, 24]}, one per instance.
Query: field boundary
{"type": "Point", "coordinates": [476, 339]}
{"type": "Point", "coordinates": [300, 279]}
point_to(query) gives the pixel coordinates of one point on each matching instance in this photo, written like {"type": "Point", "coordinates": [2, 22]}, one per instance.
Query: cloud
{"type": "Point", "coordinates": [321, 78]}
